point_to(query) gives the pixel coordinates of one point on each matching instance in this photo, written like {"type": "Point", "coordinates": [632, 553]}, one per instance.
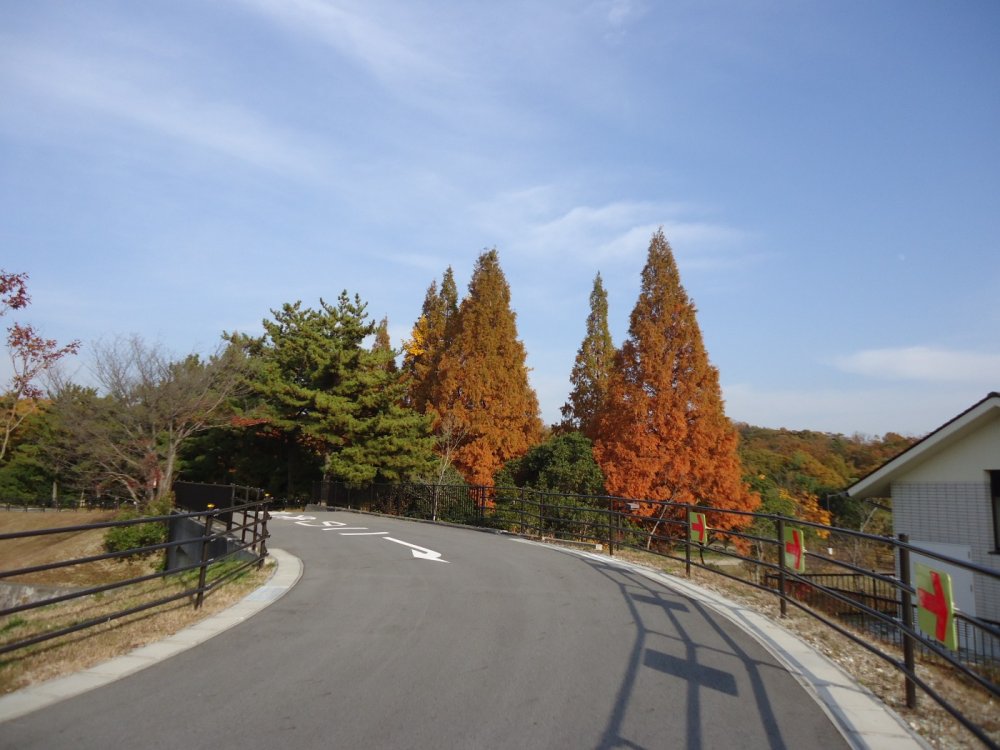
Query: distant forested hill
{"type": "Point", "coordinates": [800, 472]}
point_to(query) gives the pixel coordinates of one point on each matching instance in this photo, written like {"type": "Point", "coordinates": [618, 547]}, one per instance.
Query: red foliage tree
{"type": "Point", "coordinates": [30, 356]}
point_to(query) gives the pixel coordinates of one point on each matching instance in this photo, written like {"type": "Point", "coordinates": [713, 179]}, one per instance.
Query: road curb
{"type": "Point", "coordinates": [287, 572]}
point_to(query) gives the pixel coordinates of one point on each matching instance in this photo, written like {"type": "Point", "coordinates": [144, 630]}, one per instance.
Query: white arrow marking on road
{"type": "Point", "coordinates": [422, 552]}
{"type": "Point", "coordinates": [361, 533]}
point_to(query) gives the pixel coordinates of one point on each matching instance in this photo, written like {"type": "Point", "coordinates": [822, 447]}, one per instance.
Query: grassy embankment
{"type": "Point", "coordinates": [86, 648]}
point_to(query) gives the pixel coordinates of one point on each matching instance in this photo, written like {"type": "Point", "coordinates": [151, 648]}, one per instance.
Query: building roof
{"type": "Point", "coordinates": [878, 482]}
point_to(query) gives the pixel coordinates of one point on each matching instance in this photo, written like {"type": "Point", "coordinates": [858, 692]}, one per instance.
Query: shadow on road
{"type": "Point", "coordinates": [698, 642]}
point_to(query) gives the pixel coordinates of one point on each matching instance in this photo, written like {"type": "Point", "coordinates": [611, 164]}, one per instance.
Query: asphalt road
{"type": "Point", "coordinates": [408, 635]}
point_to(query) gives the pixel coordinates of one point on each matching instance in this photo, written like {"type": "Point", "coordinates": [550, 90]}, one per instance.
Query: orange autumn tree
{"type": "Point", "coordinates": [430, 337]}
{"type": "Point", "coordinates": [663, 433]}
{"type": "Point", "coordinates": [482, 388]}
{"type": "Point", "coordinates": [592, 368]}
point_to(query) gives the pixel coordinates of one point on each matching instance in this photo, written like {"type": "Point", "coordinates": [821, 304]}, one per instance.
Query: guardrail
{"type": "Point", "coordinates": [857, 584]}
{"type": "Point", "coordinates": [250, 547]}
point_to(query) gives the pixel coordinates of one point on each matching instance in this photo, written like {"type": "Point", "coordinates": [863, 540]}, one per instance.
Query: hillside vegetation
{"type": "Point", "coordinates": [803, 473]}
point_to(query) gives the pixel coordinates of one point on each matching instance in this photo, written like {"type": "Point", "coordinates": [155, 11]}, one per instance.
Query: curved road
{"type": "Point", "coordinates": [408, 635]}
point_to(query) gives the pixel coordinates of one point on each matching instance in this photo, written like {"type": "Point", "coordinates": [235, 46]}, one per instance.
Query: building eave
{"type": "Point", "coordinates": [879, 482]}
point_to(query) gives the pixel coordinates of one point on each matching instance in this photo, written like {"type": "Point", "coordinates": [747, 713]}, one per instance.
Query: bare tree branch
{"type": "Point", "coordinates": [146, 406]}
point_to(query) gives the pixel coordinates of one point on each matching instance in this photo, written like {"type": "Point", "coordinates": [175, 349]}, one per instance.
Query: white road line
{"type": "Point", "coordinates": [422, 552]}
{"type": "Point", "coordinates": [348, 528]}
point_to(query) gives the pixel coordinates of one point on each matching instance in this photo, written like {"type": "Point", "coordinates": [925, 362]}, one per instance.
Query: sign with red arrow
{"type": "Point", "coordinates": [935, 606]}
{"type": "Point", "coordinates": [795, 549]}
{"type": "Point", "coordinates": [699, 527]}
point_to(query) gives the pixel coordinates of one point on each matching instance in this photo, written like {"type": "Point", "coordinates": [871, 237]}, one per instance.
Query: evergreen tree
{"type": "Point", "coordinates": [321, 386]}
{"type": "Point", "coordinates": [483, 387]}
{"type": "Point", "coordinates": [563, 463]}
{"type": "Point", "coordinates": [663, 433]}
{"type": "Point", "coordinates": [592, 368]}
{"type": "Point", "coordinates": [27, 472]}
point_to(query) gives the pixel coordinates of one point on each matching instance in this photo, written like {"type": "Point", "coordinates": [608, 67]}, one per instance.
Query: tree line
{"type": "Point", "coordinates": [322, 395]}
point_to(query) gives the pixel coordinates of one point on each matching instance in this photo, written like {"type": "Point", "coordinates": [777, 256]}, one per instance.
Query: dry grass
{"type": "Point", "coordinates": [931, 721]}
{"type": "Point", "coordinates": [76, 651]}
{"type": "Point", "coordinates": [39, 550]}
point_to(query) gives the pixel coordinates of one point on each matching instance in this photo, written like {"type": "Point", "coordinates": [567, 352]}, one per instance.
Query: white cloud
{"type": "Point", "coordinates": [617, 15]}
{"type": "Point", "coordinates": [399, 60]}
{"type": "Point", "coordinates": [631, 243]}
{"type": "Point", "coordinates": [584, 228]}
{"type": "Point", "coordinates": [621, 11]}
{"type": "Point", "coordinates": [346, 29]}
{"type": "Point", "coordinates": [923, 363]}
{"type": "Point", "coordinates": [136, 94]}
{"type": "Point", "coordinates": [537, 222]}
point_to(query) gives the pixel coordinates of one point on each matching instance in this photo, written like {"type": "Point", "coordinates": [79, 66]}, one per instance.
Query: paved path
{"type": "Point", "coordinates": [406, 635]}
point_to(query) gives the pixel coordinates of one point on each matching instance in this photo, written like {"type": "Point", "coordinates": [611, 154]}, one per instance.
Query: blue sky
{"type": "Point", "coordinates": [827, 173]}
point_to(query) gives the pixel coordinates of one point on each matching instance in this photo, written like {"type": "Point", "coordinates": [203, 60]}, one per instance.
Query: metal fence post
{"type": "Point", "coordinates": [520, 500]}
{"type": "Point", "coordinates": [263, 538]}
{"type": "Point", "coordinates": [200, 596]}
{"type": "Point", "coordinates": [907, 604]}
{"type": "Point", "coordinates": [687, 540]}
{"type": "Point", "coordinates": [781, 566]}
{"type": "Point", "coordinates": [611, 527]}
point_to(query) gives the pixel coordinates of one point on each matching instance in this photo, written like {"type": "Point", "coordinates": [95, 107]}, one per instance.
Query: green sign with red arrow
{"type": "Point", "coordinates": [795, 549]}
{"type": "Point", "coordinates": [935, 606]}
{"type": "Point", "coordinates": [698, 526]}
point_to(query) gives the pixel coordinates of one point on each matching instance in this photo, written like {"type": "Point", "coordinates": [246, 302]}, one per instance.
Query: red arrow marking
{"type": "Point", "coordinates": [794, 547]}
{"type": "Point", "coordinates": [935, 604]}
{"type": "Point", "coordinates": [699, 526]}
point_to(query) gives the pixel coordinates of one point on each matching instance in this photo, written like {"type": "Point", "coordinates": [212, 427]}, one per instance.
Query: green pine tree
{"type": "Point", "coordinates": [319, 384]}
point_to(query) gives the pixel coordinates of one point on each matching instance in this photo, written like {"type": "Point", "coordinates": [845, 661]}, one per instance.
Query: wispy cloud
{"type": "Point", "coordinates": [137, 94]}
{"type": "Point", "coordinates": [536, 221]}
{"type": "Point", "coordinates": [617, 15]}
{"type": "Point", "coordinates": [923, 363]}
{"type": "Point", "coordinates": [356, 32]}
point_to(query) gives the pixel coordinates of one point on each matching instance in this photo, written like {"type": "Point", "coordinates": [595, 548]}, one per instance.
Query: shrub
{"type": "Point", "coordinates": [134, 536]}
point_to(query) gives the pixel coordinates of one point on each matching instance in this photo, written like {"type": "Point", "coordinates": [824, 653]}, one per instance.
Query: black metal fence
{"type": "Point", "coordinates": [247, 546]}
{"type": "Point", "coordinates": [855, 583]}
{"type": "Point", "coordinates": [449, 503]}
